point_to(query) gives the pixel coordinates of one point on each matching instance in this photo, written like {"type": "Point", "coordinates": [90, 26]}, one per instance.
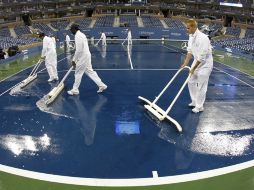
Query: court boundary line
{"type": "Point", "coordinates": [129, 55]}
{"type": "Point", "coordinates": [225, 71]}
{"type": "Point", "coordinates": [132, 182]}
{"type": "Point", "coordinates": [21, 81]}
{"type": "Point", "coordinates": [129, 182]}
{"type": "Point", "coordinates": [128, 52]}
{"type": "Point", "coordinates": [21, 71]}
{"type": "Point", "coordinates": [172, 49]}
{"type": "Point", "coordinates": [235, 69]}
{"type": "Point", "coordinates": [127, 69]}
{"type": "Point", "coordinates": [233, 77]}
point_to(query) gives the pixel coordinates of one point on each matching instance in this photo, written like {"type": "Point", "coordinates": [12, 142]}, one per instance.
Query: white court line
{"type": "Point", "coordinates": [57, 62]}
{"type": "Point", "coordinates": [20, 71]}
{"type": "Point", "coordinates": [21, 81]}
{"type": "Point", "coordinates": [128, 52]}
{"type": "Point", "coordinates": [98, 182]}
{"type": "Point", "coordinates": [172, 49]}
{"type": "Point", "coordinates": [130, 70]}
{"type": "Point", "coordinates": [218, 62]}
{"type": "Point", "coordinates": [136, 69]}
{"type": "Point", "coordinates": [155, 174]}
{"type": "Point", "coordinates": [234, 77]}
{"type": "Point", "coordinates": [228, 73]}
{"type": "Point", "coordinates": [129, 55]}
{"type": "Point", "coordinates": [235, 69]}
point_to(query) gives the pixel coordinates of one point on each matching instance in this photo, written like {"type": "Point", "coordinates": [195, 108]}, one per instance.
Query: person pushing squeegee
{"type": "Point", "coordinates": [159, 112]}
{"type": "Point", "coordinates": [32, 76]}
{"type": "Point", "coordinates": [53, 94]}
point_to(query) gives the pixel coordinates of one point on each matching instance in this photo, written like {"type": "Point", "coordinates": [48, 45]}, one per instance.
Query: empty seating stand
{"type": "Point", "coordinates": [43, 28]}
{"type": "Point", "coordinates": [130, 20]}
{"type": "Point", "coordinates": [151, 21]}
{"type": "Point", "coordinates": [84, 23]}
{"type": "Point", "coordinates": [105, 21]}
{"type": "Point", "coordinates": [60, 24]}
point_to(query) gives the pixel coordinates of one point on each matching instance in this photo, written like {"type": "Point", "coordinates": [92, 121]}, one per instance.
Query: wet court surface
{"type": "Point", "coordinates": [111, 135]}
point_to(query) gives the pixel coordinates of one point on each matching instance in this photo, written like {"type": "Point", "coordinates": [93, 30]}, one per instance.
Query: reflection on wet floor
{"type": "Point", "coordinates": [110, 135]}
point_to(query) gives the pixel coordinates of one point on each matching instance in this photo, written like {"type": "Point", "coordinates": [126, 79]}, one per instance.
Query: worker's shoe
{"type": "Point", "coordinates": [51, 79]}
{"type": "Point", "coordinates": [102, 88]}
{"type": "Point", "coordinates": [197, 110]}
{"type": "Point", "coordinates": [73, 92]}
{"type": "Point", "coordinates": [191, 104]}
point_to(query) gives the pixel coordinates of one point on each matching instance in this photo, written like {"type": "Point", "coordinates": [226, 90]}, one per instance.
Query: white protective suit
{"type": "Point", "coordinates": [54, 40]}
{"type": "Point", "coordinates": [82, 58]}
{"type": "Point", "coordinates": [67, 40]}
{"type": "Point", "coordinates": [49, 52]}
{"type": "Point", "coordinates": [199, 46]}
{"type": "Point", "coordinates": [129, 38]}
{"type": "Point", "coordinates": [103, 38]}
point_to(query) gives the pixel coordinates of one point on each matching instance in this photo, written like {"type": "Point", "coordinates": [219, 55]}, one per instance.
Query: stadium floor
{"type": "Point", "coordinates": [101, 141]}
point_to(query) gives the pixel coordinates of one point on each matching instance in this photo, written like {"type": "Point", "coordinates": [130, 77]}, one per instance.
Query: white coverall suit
{"type": "Point", "coordinates": [199, 46]}
{"type": "Point", "coordinates": [103, 38]}
{"type": "Point", "coordinates": [82, 58]}
{"type": "Point", "coordinates": [67, 39]}
{"type": "Point", "coordinates": [49, 52]}
{"type": "Point", "coordinates": [129, 38]}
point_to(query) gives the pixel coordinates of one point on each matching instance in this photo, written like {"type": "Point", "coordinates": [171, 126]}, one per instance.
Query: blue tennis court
{"type": "Point", "coordinates": [111, 135]}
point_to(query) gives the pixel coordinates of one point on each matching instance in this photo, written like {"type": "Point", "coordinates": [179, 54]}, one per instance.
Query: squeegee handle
{"type": "Point", "coordinates": [166, 87]}
{"type": "Point", "coordinates": [180, 91]}
{"type": "Point", "coordinates": [98, 42]}
{"type": "Point", "coordinates": [66, 75]}
{"type": "Point", "coordinates": [124, 41]}
{"type": "Point", "coordinates": [35, 67]}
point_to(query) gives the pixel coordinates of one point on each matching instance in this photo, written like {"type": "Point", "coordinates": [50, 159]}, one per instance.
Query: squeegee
{"type": "Point", "coordinates": [52, 95]}
{"type": "Point", "coordinates": [158, 112]}
{"type": "Point", "coordinates": [32, 76]}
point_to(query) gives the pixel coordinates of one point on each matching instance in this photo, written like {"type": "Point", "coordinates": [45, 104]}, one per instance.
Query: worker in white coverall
{"type": "Point", "coordinates": [67, 41]}
{"type": "Point", "coordinates": [82, 62]}
{"type": "Point", "coordinates": [129, 37]}
{"type": "Point", "coordinates": [54, 40]}
{"type": "Point", "coordinates": [103, 39]}
{"type": "Point", "coordinates": [49, 55]}
{"type": "Point", "coordinates": [199, 47]}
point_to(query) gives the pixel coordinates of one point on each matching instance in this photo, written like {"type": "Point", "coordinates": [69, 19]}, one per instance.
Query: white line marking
{"type": "Point", "coordinates": [21, 81]}
{"type": "Point", "coordinates": [235, 77]}
{"type": "Point", "coordinates": [126, 182]}
{"type": "Point", "coordinates": [235, 69]}
{"type": "Point", "coordinates": [136, 69]}
{"type": "Point", "coordinates": [20, 71]}
{"type": "Point", "coordinates": [172, 49]}
{"type": "Point", "coordinates": [127, 49]}
{"type": "Point", "coordinates": [220, 63]}
{"type": "Point", "coordinates": [127, 69]}
{"type": "Point", "coordinates": [129, 56]}
{"type": "Point", "coordinates": [155, 174]}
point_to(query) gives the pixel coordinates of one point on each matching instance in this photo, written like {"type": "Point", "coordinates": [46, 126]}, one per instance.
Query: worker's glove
{"type": "Point", "coordinates": [73, 64]}
{"type": "Point", "coordinates": [191, 71]}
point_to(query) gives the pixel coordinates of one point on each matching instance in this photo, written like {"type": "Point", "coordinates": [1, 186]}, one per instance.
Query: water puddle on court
{"type": "Point", "coordinates": [17, 91]}
{"type": "Point", "coordinates": [28, 145]}
{"type": "Point", "coordinates": [56, 108]}
{"type": "Point", "coordinates": [32, 89]}
{"type": "Point", "coordinates": [222, 144]}
{"type": "Point", "coordinates": [221, 131]}
{"type": "Point", "coordinates": [209, 143]}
